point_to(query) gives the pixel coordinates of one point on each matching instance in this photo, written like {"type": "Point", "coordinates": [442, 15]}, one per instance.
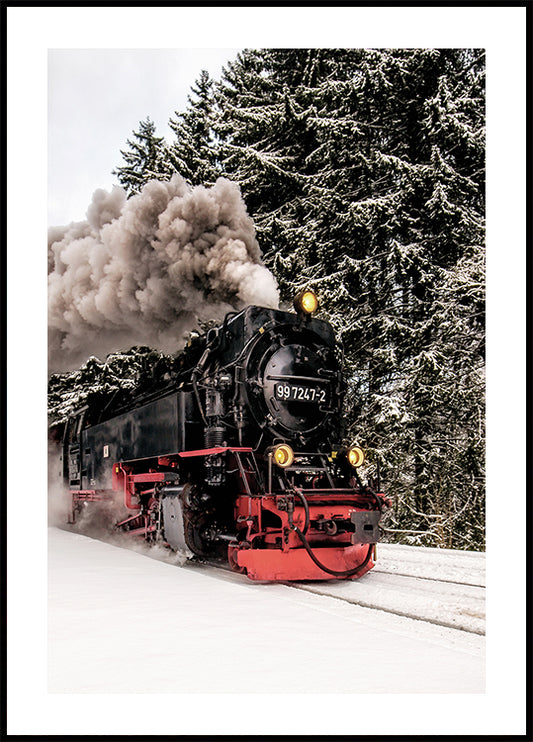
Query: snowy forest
{"type": "Point", "coordinates": [363, 171]}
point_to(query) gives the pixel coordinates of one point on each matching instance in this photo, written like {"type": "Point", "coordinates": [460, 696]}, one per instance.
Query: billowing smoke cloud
{"type": "Point", "coordinates": [146, 270]}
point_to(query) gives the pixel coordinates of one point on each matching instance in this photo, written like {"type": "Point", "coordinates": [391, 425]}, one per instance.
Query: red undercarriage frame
{"type": "Point", "coordinates": [267, 553]}
{"type": "Point", "coordinates": [290, 560]}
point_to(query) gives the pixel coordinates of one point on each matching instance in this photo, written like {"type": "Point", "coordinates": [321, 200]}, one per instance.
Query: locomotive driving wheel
{"type": "Point", "coordinates": [196, 531]}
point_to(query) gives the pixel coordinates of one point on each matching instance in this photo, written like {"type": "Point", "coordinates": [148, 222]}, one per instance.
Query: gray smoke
{"type": "Point", "coordinates": [147, 270]}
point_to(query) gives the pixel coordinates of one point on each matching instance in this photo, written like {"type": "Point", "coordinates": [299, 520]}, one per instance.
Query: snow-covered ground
{"type": "Point", "coordinates": [121, 622]}
{"type": "Point", "coordinates": [140, 645]}
{"type": "Point", "coordinates": [446, 564]}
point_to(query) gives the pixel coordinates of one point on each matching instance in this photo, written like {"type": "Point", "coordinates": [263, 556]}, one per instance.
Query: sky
{"type": "Point", "coordinates": [31, 32]}
{"type": "Point", "coordinates": [96, 99]}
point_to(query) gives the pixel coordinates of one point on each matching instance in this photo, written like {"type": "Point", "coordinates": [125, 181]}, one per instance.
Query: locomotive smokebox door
{"type": "Point", "coordinates": [366, 526]}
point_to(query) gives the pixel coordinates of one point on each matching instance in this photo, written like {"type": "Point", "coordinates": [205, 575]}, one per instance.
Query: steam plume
{"type": "Point", "coordinates": [144, 271]}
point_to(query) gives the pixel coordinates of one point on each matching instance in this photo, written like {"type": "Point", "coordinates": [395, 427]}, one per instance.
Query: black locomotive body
{"type": "Point", "coordinates": [239, 455]}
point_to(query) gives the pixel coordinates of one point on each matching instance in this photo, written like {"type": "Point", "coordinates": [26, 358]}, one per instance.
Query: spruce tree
{"type": "Point", "coordinates": [145, 159]}
{"type": "Point", "coordinates": [194, 153]}
{"type": "Point", "coordinates": [263, 136]}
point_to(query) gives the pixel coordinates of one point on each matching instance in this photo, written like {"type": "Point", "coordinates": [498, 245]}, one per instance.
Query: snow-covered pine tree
{"type": "Point", "coordinates": [363, 170]}
{"type": "Point", "coordinates": [110, 383]}
{"type": "Point", "coordinates": [441, 492]}
{"type": "Point", "coordinates": [265, 139]}
{"type": "Point", "coordinates": [194, 154]}
{"type": "Point", "coordinates": [144, 160]}
{"type": "Point", "coordinates": [438, 222]}
{"type": "Point", "coordinates": [434, 218]}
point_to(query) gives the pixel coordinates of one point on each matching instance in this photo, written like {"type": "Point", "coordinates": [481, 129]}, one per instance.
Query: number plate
{"type": "Point", "coordinates": [300, 393]}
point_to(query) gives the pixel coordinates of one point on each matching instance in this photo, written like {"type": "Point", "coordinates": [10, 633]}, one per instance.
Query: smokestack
{"type": "Point", "coordinates": [147, 270]}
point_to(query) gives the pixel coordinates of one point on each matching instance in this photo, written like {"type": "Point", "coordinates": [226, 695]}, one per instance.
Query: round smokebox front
{"type": "Point", "coordinates": [295, 395]}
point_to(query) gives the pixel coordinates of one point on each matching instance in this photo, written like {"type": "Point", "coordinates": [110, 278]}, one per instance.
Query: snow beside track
{"type": "Point", "coordinates": [443, 564]}
{"type": "Point", "coordinates": [441, 586]}
{"type": "Point", "coordinates": [120, 622]}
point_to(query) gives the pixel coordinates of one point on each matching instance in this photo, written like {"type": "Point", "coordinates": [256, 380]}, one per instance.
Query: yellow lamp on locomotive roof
{"type": "Point", "coordinates": [306, 302]}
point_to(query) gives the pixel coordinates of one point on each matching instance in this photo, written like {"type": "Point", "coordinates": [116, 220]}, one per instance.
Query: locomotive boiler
{"type": "Point", "coordinates": [239, 456]}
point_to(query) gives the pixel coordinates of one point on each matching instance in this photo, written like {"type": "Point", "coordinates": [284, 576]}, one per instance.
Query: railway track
{"type": "Point", "coordinates": [431, 579]}
{"type": "Point", "coordinates": [451, 604]}
{"type": "Point", "coordinates": [448, 615]}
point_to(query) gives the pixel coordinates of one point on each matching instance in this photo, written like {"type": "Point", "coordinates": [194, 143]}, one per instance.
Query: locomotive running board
{"type": "Point", "coordinates": [212, 451]}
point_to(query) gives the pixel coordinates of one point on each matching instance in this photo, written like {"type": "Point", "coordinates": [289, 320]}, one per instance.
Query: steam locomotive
{"type": "Point", "coordinates": [239, 457]}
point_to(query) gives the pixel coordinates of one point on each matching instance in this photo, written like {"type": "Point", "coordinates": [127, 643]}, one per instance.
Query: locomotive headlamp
{"type": "Point", "coordinates": [283, 455]}
{"type": "Point", "coordinates": [356, 456]}
{"type": "Point", "coordinates": [306, 302]}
